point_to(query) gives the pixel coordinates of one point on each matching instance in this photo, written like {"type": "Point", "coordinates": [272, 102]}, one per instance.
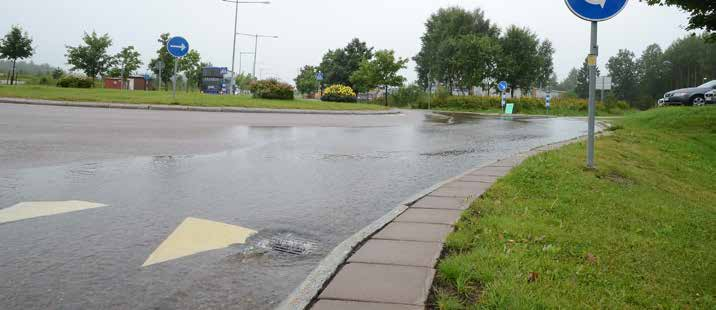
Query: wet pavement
{"type": "Point", "coordinates": [310, 177]}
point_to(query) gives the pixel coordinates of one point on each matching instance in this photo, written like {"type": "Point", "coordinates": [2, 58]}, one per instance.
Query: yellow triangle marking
{"type": "Point", "coordinates": [30, 210]}
{"type": "Point", "coordinates": [195, 236]}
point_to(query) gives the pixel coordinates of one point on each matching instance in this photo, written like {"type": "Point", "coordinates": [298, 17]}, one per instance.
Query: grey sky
{"type": "Point", "coordinates": [308, 28]}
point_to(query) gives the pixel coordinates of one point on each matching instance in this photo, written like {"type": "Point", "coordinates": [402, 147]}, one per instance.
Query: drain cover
{"type": "Point", "coordinates": [289, 244]}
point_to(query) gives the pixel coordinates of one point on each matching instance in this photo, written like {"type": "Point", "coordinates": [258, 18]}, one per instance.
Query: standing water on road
{"type": "Point", "coordinates": [303, 187]}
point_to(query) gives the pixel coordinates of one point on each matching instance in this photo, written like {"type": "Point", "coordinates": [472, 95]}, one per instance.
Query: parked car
{"type": "Point", "coordinates": [709, 96]}
{"type": "Point", "coordinates": [689, 96]}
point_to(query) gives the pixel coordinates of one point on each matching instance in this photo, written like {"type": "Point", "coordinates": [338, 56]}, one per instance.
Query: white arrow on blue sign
{"type": "Point", "coordinates": [178, 47]}
{"type": "Point", "coordinates": [502, 86]}
{"type": "Point", "coordinates": [319, 76]}
{"type": "Point", "coordinates": [596, 10]}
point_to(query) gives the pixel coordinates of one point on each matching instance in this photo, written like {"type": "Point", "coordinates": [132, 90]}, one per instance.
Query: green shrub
{"type": "Point", "coordinates": [75, 82]}
{"type": "Point", "coordinates": [339, 93]}
{"type": "Point", "coordinates": [272, 89]}
{"type": "Point", "coordinates": [565, 106]}
{"type": "Point", "coordinates": [412, 95]}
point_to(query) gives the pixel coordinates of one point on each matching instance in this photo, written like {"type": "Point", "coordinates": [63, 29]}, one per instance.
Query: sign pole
{"type": "Point", "coordinates": [592, 61]}
{"type": "Point", "coordinates": [174, 79]}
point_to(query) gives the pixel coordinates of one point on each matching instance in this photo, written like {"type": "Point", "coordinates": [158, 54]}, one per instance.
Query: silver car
{"type": "Point", "coordinates": [709, 97]}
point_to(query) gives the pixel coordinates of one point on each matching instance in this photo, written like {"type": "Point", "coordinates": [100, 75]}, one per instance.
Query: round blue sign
{"type": "Point", "coordinates": [596, 10]}
{"type": "Point", "coordinates": [178, 47]}
{"type": "Point", "coordinates": [502, 86]}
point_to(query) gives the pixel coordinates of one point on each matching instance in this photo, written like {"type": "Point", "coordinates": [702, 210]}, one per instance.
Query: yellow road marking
{"type": "Point", "coordinates": [195, 236]}
{"type": "Point", "coordinates": [30, 210]}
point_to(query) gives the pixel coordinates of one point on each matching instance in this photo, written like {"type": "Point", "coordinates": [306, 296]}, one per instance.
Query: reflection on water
{"type": "Point", "coordinates": [317, 184]}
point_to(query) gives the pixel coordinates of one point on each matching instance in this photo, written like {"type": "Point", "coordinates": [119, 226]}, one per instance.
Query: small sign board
{"type": "Point", "coordinates": [548, 100]}
{"type": "Point", "coordinates": [604, 83]}
{"type": "Point", "coordinates": [509, 108]}
{"type": "Point", "coordinates": [502, 86]}
{"type": "Point", "coordinates": [319, 76]}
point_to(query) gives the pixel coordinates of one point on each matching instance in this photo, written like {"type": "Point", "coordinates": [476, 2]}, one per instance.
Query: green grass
{"type": "Point", "coordinates": [637, 232]}
{"type": "Point", "coordinates": [183, 98]}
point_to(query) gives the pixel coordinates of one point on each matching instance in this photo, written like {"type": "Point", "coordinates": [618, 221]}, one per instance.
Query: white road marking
{"type": "Point", "coordinates": [30, 210]}
{"type": "Point", "coordinates": [196, 236]}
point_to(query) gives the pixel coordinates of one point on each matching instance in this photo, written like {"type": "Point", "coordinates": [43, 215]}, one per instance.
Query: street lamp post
{"type": "Point", "coordinates": [236, 25]}
{"type": "Point", "coordinates": [256, 45]}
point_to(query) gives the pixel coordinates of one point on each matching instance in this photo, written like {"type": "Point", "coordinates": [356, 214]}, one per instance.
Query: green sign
{"type": "Point", "coordinates": [509, 108]}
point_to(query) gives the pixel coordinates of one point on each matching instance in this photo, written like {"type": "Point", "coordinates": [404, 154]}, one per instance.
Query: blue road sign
{"type": "Point", "coordinates": [548, 100]}
{"type": "Point", "coordinates": [319, 76]}
{"type": "Point", "coordinates": [596, 10]}
{"type": "Point", "coordinates": [178, 47]}
{"type": "Point", "coordinates": [502, 86]}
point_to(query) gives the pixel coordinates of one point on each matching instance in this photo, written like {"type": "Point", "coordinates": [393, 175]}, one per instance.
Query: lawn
{"type": "Point", "coordinates": [183, 98]}
{"type": "Point", "coordinates": [637, 232]}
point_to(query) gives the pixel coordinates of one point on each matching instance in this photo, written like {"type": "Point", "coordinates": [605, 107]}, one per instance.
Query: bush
{"type": "Point", "coordinates": [565, 106]}
{"type": "Point", "coordinates": [75, 82]}
{"type": "Point", "coordinates": [411, 95]}
{"type": "Point", "coordinates": [272, 89]}
{"type": "Point", "coordinates": [339, 93]}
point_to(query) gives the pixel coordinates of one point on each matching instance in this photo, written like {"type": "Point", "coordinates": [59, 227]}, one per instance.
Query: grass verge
{"type": "Point", "coordinates": [638, 232]}
{"type": "Point", "coordinates": [183, 98]}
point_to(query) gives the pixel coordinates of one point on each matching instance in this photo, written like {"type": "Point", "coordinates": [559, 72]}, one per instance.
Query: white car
{"type": "Point", "coordinates": [710, 97]}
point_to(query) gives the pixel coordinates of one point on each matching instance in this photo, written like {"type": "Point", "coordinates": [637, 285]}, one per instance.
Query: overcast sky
{"type": "Point", "coordinates": [308, 28]}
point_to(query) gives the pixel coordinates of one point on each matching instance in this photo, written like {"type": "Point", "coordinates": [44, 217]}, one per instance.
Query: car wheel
{"type": "Point", "coordinates": [698, 101]}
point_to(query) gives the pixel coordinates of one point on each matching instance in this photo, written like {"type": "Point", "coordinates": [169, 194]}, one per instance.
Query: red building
{"type": "Point", "coordinates": [132, 83]}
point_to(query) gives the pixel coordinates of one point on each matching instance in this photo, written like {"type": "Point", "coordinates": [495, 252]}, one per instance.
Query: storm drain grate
{"type": "Point", "coordinates": [289, 244]}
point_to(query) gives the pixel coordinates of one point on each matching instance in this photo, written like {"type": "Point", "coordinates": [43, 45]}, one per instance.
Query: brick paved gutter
{"type": "Point", "coordinates": [390, 264]}
{"type": "Point", "coordinates": [163, 107]}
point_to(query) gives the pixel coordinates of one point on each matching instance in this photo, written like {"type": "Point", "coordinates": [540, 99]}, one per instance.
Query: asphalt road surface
{"type": "Point", "coordinates": [304, 177]}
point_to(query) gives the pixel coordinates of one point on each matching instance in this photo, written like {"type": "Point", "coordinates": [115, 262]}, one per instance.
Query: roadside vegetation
{"type": "Point", "coordinates": [637, 232]}
{"type": "Point", "coordinates": [161, 97]}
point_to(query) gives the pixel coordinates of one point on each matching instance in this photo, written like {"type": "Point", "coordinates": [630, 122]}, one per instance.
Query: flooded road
{"type": "Point", "coordinates": [311, 177]}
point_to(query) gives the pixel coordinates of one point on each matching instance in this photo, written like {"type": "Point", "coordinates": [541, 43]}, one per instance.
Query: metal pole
{"type": "Point", "coordinates": [594, 52]}
{"type": "Point", "coordinates": [160, 79]}
{"type": "Point", "coordinates": [256, 51]}
{"type": "Point", "coordinates": [233, 52]}
{"type": "Point", "coordinates": [174, 79]}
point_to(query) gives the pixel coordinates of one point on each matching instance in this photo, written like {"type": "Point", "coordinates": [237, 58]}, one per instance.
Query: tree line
{"type": "Point", "coordinates": [93, 59]}
{"type": "Point", "coordinates": [358, 66]}
{"type": "Point", "coordinates": [687, 62]}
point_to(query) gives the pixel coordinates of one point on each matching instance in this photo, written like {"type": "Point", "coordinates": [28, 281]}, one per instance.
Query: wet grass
{"type": "Point", "coordinates": [161, 97]}
{"type": "Point", "coordinates": [637, 232]}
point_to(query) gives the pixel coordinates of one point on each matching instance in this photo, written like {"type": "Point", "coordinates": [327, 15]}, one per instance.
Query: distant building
{"type": "Point", "coordinates": [132, 83]}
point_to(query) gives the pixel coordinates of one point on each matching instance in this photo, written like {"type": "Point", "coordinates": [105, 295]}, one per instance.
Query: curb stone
{"type": "Point", "coordinates": [161, 107]}
{"type": "Point", "coordinates": [332, 281]}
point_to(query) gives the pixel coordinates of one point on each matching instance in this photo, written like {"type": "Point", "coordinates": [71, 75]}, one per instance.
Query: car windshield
{"type": "Point", "coordinates": [711, 84]}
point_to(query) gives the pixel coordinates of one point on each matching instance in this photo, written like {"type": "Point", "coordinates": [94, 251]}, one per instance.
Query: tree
{"type": "Point", "coordinates": [382, 70]}
{"type": "Point", "coordinates": [652, 72]}
{"type": "Point", "coordinates": [703, 14]}
{"type": "Point", "coordinates": [192, 67]}
{"type": "Point", "coordinates": [624, 72]}
{"type": "Point", "coordinates": [244, 80]}
{"type": "Point", "coordinates": [91, 58]}
{"type": "Point", "coordinates": [469, 60]}
{"type": "Point", "coordinates": [126, 63]}
{"type": "Point", "coordinates": [570, 82]}
{"type": "Point", "coordinates": [57, 74]}
{"type": "Point", "coordinates": [167, 59]}
{"type": "Point", "coordinates": [545, 52]}
{"type": "Point", "coordinates": [16, 45]}
{"type": "Point", "coordinates": [582, 88]}
{"type": "Point", "coordinates": [445, 25]}
{"type": "Point", "coordinates": [520, 61]}
{"type": "Point", "coordinates": [338, 66]}
{"type": "Point", "coordinates": [306, 81]}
